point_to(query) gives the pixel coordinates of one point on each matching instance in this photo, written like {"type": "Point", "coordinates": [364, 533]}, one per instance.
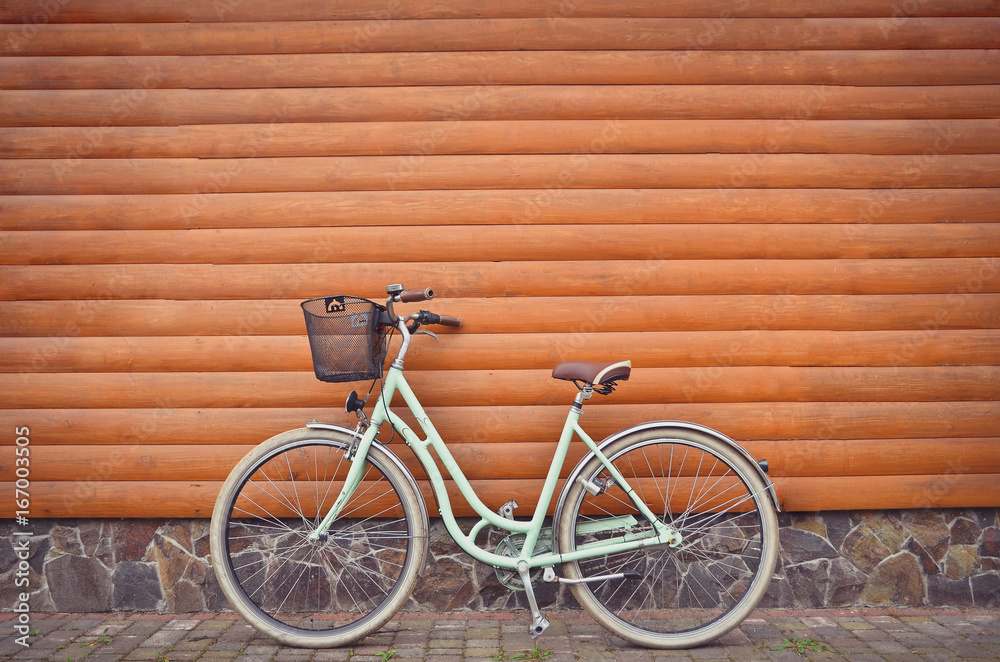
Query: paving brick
{"type": "Point", "coordinates": [124, 643]}
{"type": "Point", "coordinates": [856, 636]}
{"type": "Point", "coordinates": [963, 648]}
{"type": "Point", "coordinates": [708, 653]}
{"type": "Point", "coordinates": [785, 656]}
{"type": "Point", "coordinates": [863, 657]}
{"type": "Point", "coordinates": [914, 639]}
{"type": "Point", "coordinates": [747, 654]}
{"type": "Point", "coordinates": [164, 638]}
{"type": "Point", "coordinates": [143, 628]}
{"type": "Point", "coordinates": [887, 647]}
{"type": "Point", "coordinates": [734, 638]}
{"type": "Point", "coordinates": [214, 625]}
{"type": "Point", "coordinates": [219, 656]}
{"type": "Point", "coordinates": [332, 655]}
{"type": "Point", "coordinates": [934, 654]}
{"type": "Point", "coordinates": [871, 635]}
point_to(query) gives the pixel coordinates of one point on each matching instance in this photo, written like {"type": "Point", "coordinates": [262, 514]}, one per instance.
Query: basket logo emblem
{"type": "Point", "coordinates": [335, 305]}
{"type": "Point", "coordinates": [359, 320]}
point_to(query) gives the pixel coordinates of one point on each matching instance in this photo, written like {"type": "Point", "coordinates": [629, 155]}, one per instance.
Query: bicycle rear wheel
{"type": "Point", "coordinates": [334, 591]}
{"type": "Point", "coordinates": [697, 591]}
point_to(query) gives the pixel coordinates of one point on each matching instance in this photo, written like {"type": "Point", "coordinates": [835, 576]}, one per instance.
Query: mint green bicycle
{"type": "Point", "coordinates": [666, 532]}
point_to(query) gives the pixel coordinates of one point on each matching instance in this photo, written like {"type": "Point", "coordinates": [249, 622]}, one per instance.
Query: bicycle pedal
{"type": "Point", "coordinates": [538, 626]}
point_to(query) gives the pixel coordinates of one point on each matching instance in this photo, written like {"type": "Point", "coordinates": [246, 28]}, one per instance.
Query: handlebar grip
{"type": "Point", "coordinates": [412, 296]}
{"type": "Point", "coordinates": [447, 320]}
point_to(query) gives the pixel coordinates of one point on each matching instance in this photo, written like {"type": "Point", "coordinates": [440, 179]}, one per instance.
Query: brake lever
{"type": "Point", "coordinates": [430, 333]}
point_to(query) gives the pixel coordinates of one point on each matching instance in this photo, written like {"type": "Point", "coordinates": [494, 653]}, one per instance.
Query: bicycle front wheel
{"type": "Point", "coordinates": [690, 594]}
{"type": "Point", "coordinates": [332, 591]}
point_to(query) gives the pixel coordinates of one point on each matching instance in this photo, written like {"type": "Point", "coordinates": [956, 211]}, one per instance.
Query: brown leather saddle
{"type": "Point", "coordinates": [603, 377]}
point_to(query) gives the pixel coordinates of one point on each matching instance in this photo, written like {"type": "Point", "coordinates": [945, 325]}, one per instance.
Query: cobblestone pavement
{"type": "Point", "coordinates": [903, 635]}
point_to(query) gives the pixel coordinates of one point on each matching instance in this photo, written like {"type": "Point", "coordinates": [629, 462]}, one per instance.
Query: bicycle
{"type": "Point", "coordinates": [666, 532]}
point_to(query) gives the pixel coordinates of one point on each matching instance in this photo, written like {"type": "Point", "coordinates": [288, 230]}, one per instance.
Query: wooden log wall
{"type": "Point", "coordinates": [785, 213]}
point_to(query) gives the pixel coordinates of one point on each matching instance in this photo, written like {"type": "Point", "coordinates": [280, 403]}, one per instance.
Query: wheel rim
{"type": "Point", "coordinates": [713, 575]}
{"type": "Point", "coordinates": [302, 586]}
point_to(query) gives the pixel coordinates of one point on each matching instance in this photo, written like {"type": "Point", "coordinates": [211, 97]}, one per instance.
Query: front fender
{"type": "Point", "coordinates": [316, 425]}
{"type": "Point", "coordinates": [666, 425]}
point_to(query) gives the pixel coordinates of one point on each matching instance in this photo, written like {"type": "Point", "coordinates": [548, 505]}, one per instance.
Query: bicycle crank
{"type": "Point", "coordinates": [511, 547]}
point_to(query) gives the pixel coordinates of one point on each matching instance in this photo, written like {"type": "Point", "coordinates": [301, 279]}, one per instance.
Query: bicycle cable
{"type": "Point", "coordinates": [381, 381]}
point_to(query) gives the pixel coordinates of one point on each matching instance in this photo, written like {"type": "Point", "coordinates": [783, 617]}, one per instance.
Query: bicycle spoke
{"type": "Point", "coordinates": [683, 592]}
{"type": "Point", "coordinates": [283, 573]}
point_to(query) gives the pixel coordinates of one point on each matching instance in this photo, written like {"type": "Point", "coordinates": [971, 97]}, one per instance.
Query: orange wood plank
{"type": "Point", "coordinates": [651, 277]}
{"type": "Point", "coordinates": [797, 422]}
{"type": "Point", "coordinates": [470, 388]}
{"type": "Point", "coordinates": [706, 351]}
{"type": "Point", "coordinates": [497, 207]}
{"type": "Point", "coordinates": [122, 318]}
{"type": "Point", "coordinates": [148, 106]}
{"type": "Point", "coordinates": [549, 172]}
{"type": "Point", "coordinates": [829, 458]}
{"type": "Point", "coordinates": [507, 243]}
{"type": "Point", "coordinates": [568, 32]}
{"type": "Point", "coordinates": [591, 67]}
{"type": "Point", "coordinates": [196, 499]}
{"type": "Point", "coordinates": [117, 11]}
{"type": "Point", "coordinates": [417, 140]}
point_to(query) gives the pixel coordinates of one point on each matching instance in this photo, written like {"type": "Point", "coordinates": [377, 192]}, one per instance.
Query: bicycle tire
{"type": "Point", "coordinates": [317, 594]}
{"type": "Point", "coordinates": [692, 594]}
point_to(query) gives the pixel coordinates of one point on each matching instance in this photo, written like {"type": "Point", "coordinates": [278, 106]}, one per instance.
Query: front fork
{"type": "Point", "coordinates": [359, 447]}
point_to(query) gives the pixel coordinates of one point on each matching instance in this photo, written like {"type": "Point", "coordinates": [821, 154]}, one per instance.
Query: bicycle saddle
{"type": "Point", "coordinates": [592, 373]}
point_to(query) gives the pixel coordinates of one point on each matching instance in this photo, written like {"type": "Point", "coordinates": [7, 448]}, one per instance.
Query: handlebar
{"type": "Point", "coordinates": [399, 295]}
{"type": "Point", "coordinates": [408, 325]}
{"type": "Point", "coordinates": [413, 296]}
{"type": "Point", "coordinates": [443, 320]}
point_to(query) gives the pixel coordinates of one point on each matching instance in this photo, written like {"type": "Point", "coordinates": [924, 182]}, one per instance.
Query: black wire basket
{"type": "Point", "coordinates": [348, 338]}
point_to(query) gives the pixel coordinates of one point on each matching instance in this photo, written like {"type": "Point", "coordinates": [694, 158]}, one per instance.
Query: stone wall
{"type": "Point", "coordinates": [831, 559]}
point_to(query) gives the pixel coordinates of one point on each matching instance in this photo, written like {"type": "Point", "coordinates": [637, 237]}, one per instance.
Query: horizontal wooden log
{"type": "Point", "coordinates": [197, 499]}
{"type": "Point", "coordinates": [470, 388]}
{"type": "Point", "coordinates": [567, 33]}
{"type": "Point", "coordinates": [534, 171]}
{"type": "Point", "coordinates": [152, 107]}
{"type": "Point", "coordinates": [592, 67]}
{"type": "Point", "coordinates": [710, 351]}
{"type": "Point", "coordinates": [799, 421]}
{"type": "Point", "coordinates": [89, 464]}
{"type": "Point", "coordinates": [182, 11]}
{"type": "Point", "coordinates": [884, 492]}
{"type": "Point", "coordinates": [963, 309]}
{"type": "Point", "coordinates": [496, 243]}
{"type": "Point", "coordinates": [497, 207]}
{"type": "Point", "coordinates": [648, 277]}
{"type": "Point", "coordinates": [421, 139]}
{"type": "Point", "coordinates": [84, 465]}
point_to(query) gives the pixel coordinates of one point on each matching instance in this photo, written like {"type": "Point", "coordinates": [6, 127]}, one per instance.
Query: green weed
{"type": "Point", "coordinates": [800, 646]}
{"type": "Point", "coordinates": [536, 654]}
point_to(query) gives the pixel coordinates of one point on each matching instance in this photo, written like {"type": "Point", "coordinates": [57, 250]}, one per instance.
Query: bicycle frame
{"type": "Point", "coordinates": [395, 382]}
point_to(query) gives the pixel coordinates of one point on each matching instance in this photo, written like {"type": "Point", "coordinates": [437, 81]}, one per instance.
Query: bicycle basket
{"type": "Point", "coordinates": [347, 340]}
